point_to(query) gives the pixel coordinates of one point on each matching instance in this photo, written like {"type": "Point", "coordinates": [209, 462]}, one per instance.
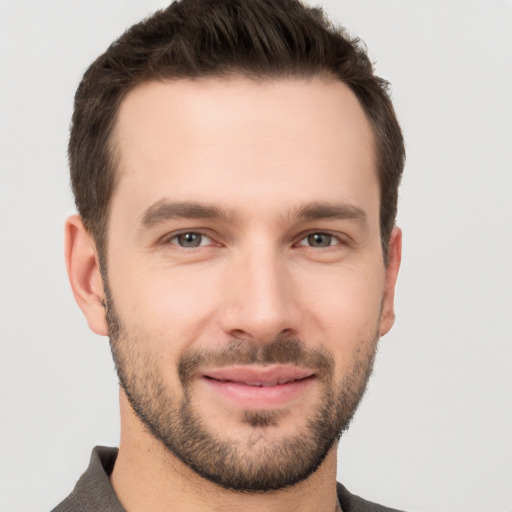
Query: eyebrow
{"type": "Point", "coordinates": [164, 210]}
{"type": "Point", "coordinates": [335, 211]}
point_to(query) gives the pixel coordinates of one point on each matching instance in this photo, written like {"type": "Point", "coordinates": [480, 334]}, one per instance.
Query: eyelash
{"type": "Point", "coordinates": [332, 237]}
{"type": "Point", "coordinates": [338, 240]}
{"type": "Point", "coordinates": [175, 236]}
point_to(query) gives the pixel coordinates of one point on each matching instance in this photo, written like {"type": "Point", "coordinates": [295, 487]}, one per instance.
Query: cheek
{"type": "Point", "coordinates": [162, 316]}
{"type": "Point", "coordinates": [345, 287]}
{"type": "Point", "coordinates": [167, 303]}
{"type": "Point", "coordinates": [345, 305]}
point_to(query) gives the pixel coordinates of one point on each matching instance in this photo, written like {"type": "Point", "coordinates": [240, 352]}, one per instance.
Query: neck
{"type": "Point", "coordinates": [147, 476]}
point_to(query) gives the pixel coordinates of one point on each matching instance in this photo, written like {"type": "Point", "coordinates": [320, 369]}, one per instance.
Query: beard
{"type": "Point", "coordinates": [259, 464]}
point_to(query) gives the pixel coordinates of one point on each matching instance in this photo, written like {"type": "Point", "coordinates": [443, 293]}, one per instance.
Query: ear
{"type": "Point", "coordinates": [83, 267]}
{"type": "Point", "coordinates": [387, 318]}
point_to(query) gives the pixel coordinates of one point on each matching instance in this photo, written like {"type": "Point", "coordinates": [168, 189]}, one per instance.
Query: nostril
{"type": "Point", "coordinates": [241, 335]}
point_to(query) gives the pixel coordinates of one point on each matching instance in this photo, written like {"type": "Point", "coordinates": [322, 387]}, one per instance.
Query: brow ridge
{"type": "Point", "coordinates": [336, 211]}
{"type": "Point", "coordinates": [165, 209]}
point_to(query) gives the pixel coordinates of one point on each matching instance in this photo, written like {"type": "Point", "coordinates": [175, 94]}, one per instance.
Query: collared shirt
{"type": "Point", "coordinates": [94, 492]}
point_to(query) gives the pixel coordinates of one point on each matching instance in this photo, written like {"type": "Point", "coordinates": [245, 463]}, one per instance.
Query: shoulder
{"type": "Point", "coordinates": [72, 503]}
{"type": "Point", "coordinates": [352, 503]}
{"type": "Point", "coordinates": [93, 491]}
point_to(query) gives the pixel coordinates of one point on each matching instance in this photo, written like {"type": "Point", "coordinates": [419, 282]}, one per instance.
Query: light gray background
{"type": "Point", "coordinates": [434, 431]}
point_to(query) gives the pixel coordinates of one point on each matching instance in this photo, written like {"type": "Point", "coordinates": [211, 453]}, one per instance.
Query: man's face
{"type": "Point", "coordinates": [246, 284]}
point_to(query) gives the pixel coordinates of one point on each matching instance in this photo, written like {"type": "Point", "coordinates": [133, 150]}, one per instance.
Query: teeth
{"type": "Point", "coordinates": [268, 384]}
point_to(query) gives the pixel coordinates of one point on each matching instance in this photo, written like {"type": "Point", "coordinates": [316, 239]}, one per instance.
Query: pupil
{"type": "Point", "coordinates": [320, 240]}
{"type": "Point", "coordinates": [190, 240]}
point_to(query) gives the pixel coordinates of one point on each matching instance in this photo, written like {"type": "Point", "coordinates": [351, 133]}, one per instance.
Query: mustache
{"type": "Point", "coordinates": [238, 352]}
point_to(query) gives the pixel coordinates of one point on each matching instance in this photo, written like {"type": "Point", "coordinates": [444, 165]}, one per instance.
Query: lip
{"type": "Point", "coordinates": [253, 387]}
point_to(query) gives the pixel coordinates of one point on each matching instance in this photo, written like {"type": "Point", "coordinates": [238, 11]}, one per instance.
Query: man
{"type": "Point", "coordinates": [235, 166]}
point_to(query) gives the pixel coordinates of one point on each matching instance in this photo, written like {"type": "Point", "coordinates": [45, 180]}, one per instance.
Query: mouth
{"type": "Point", "coordinates": [253, 387]}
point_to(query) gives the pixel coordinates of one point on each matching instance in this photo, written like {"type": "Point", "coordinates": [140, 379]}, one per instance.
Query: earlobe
{"type": "Point", "coordinates": [83, 268]}
{"type": "Point", "coordinates": [394, 259]}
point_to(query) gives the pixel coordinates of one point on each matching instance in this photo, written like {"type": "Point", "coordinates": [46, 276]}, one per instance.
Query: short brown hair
{"type": "Point", "coordinates": [203, 38]}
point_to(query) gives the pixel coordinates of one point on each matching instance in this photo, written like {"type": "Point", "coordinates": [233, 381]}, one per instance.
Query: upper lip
{"type": "Point", "coordinates": [258, 375]}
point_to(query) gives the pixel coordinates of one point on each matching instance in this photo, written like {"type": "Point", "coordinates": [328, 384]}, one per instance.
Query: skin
{"type": "Point", "coordinates": [261, 152]}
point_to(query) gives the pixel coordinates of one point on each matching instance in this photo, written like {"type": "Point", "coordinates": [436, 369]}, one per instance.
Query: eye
{"type": "Point", "coordinates": [190, 240]}
{"type": "Point", "coordinates": [319, 240]}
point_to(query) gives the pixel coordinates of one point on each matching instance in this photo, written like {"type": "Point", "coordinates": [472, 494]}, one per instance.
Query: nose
{"type": "Point", "coordinates": [260, 298]}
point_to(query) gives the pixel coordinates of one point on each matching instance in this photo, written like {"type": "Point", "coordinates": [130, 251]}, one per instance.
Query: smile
{"type": "Point", "coordinates": [262, 384]}
{"type": "Point", "coordinates": [258, 387]}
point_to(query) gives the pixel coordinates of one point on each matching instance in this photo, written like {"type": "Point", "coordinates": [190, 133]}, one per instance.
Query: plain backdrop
{"type": "Point", "coordinates": [434, 432]}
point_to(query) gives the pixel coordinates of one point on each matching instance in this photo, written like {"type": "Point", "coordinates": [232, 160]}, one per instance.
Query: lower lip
{"type": "Point", "coordinates": [259, 397]}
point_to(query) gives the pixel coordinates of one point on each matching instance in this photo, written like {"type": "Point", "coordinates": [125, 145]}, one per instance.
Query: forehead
{"type": "Point", "coordinates": [243, 140]}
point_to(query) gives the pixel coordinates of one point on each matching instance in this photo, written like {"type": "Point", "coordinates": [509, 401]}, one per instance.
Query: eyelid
{"type": "Point", "coordinates": [339, 237]}
{"type": "Point", "coordinates": [167, 239]}
{"type": "Point", "coordinates": [203, 241]}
